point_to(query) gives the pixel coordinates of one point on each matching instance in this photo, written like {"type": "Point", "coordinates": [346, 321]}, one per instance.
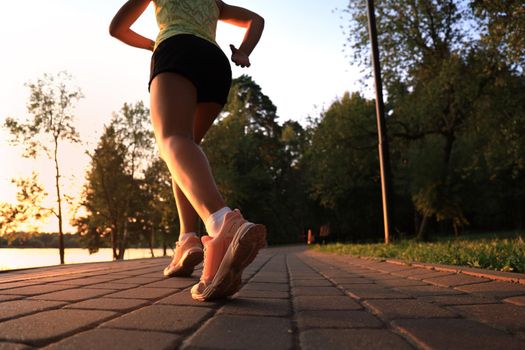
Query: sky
{"type": "Point", "coordinates": [299, 63]}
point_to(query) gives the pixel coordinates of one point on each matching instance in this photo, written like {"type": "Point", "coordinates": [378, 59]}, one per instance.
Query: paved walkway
{"type": "Point", "coordinates": [292, 299]}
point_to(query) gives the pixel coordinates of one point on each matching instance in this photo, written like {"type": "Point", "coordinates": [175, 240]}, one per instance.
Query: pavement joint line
{"type": "Point", "coordinates": [187, 336]}
{"type": "Point", "coordinates": [296, 342]}
{"type": "Point", "coordinates": [387, 325]}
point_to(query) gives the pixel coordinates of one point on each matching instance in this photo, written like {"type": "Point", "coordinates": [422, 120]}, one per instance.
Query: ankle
{"type": "Point", "coordinates": [214, 221]}
{"type": "Point", "coordinates": [184, 236]}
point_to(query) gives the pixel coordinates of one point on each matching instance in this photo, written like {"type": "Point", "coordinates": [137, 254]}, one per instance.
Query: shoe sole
{"type": "Point", "coordinates": [246, 243]}
{"type": "Point", "coordinates": [186, 265]}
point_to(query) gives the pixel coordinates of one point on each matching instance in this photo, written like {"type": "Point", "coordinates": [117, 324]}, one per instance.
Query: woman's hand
{"type": "Point", "coordinates": [239, 58]}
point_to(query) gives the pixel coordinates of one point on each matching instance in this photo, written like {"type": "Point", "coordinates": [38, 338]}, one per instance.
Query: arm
{"type": "Point", "coordinates": [254, 25]}
{"type": "Point", "coordinates": [124, 19]}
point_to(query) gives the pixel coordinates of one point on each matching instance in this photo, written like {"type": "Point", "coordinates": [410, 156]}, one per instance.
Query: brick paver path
{"type": "Point", "coordinates": [293, 298]}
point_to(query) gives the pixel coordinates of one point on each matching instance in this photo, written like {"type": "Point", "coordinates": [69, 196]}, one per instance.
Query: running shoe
{"type": "Point", "coordinates": [227, 255]}
{"type": "Point", "coordinates": [188, 254]}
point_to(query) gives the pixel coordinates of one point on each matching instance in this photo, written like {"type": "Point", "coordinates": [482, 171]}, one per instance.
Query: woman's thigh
{"type": "Point", "coordinates": [205, 114]}
{"type": "Point", "coordinates": [173, 105]}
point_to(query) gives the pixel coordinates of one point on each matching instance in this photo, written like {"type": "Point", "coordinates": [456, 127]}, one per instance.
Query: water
{"type": "Point", "coordinates": [18, 258]}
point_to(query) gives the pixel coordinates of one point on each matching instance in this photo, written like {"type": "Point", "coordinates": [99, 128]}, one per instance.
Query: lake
{"type": "Point", "coordinates": [18, 258]}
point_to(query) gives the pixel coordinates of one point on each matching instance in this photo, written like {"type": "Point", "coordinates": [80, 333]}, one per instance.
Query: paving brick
{"type": "Point", "coordinates": [11, 285]}
{"type": "Point", "coordinates": [184, 298]}
{"type": "Point", "coordinates": [112, 285]}
{"type": "Point", "coordinates": [352, 339]}
{"type": "Point", "coordinates": [139, 280]}
{"type": "Point", "coordinates": [161, 318]}
{"type": "Point", "coordinates": [380, 276]}
{"type": "Point", "coordinates": [10, 297]}
{"type": "Point", "coordinates": [372, 291]}
{"type": "Point", "coordinates": [456, 334]}
{"type": "Point", "coordinates": [520, 301]}
{"type": "Point", "coordinates": [243, 332]}
{"type": "Point", "coordinates": [323, 303]}
{"type": "Point", "coordinates": [76, 294]}
{"type": "Point", "coordinates": [117, 339]}
{"type": "Point", "coordinates": [505, 316]}
{"type": "Point", "coordinates": [336, 319]}
{"type": "Point", "coordinates": [143, 293]}
{"type": "Point", "coordinates": [417, 291]}
{"type": "Point", "coordinates": [257, 307]}
{"type": "Point", "coordinates": [460, 299]}
{"type": "Point", "coordinates": [387, 267]}
{"type": "Point", "coordinates": [50, 325]}
{"type": "Point", "coordinates": [429, 274]}
{"type": "Point", "coordinates": [353, 280]}
{"type": "Point", "coordinates": [175, 283]}
{"type": "Point", "coordinates": [412, 272]}
{"type": "Point", "coordinates": [495, 289]}
{"type": "Point", "coordinates": [274, 287]}
{"type": "Point", "coordinates": [121, 305]}
{"type": "Point", "coordinates": [13, 346]}
{"type": "Point", "coordinates": [455, 280]}
{"type": "Point", "coordinates": [311, 283]}
{"type": "Point", "coordinates": [401, 282]}
{"type": "Point", "coordinates": [17, 308]}
{"type": "Point", "coordinates": [35, 290]}
{"type": "Point", "coordinates": [326, 291]}
{"type": "Point", "coordinates": [84, 281]}
{"type": "Point", "coordinates": [270, 278]}
{"type": "Point", "coordinates": [406, 308]}
{"type": "Point", "coordinates": [249, 293]}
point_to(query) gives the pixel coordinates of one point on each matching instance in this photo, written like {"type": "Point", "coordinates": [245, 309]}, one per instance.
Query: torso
{"type": "Point", "coordinates": [196, 17]}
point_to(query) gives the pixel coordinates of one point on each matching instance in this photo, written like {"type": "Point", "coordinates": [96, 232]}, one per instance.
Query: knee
{"type": "Point", "coordinates": [173, 145]}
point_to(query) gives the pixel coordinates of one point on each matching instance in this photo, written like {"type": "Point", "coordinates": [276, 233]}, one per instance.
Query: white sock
{"type": "Point", "coordinates": [186, 235]}
{"type": "Point", "coordinates": [214, 221]}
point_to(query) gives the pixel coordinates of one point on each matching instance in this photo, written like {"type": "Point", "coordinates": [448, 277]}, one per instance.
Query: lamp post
{"type": "Point", "coordinates": [384, 154]}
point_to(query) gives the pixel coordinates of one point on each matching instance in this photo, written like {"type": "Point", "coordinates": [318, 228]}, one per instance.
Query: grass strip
{"type": "Point", "coordinates": [499, 254]}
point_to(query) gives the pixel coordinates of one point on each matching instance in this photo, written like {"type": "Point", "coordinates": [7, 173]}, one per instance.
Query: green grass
{"type": "Point", "coordinates": [501, 253]}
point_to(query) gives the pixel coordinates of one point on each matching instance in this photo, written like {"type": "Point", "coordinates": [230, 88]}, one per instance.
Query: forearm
{"type": "Point", "coordinates": [131, 38]}
{"type": "Point", "coordinates": [120, 26]}
{"type": "Point", "coordinates": [253, 34]}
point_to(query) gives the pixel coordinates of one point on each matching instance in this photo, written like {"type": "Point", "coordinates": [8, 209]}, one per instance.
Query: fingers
{"type": "Point", "coordinates": [239, 57]}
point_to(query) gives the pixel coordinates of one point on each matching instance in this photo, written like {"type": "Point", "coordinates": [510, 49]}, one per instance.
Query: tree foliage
{"type": "Point", "coordinates": [51, 121]}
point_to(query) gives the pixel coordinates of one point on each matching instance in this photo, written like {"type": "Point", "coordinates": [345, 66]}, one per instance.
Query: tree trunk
{"type": "Point", "coordinates": [421, 234]}
{"type": "Point", "coordinates": [114, 242]}
{"type": "Point", "coordinates": [123, 242]}
{"type": "Point", "coordinates": [59, 201]}
{"type": "Point", "coordinates": [164, 245]}
{"type": "Point", "coordinates": [151, 238]}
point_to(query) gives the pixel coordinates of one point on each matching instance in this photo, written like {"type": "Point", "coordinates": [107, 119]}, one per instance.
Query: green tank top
{"type": "Point", "coordinates": [197, 17]}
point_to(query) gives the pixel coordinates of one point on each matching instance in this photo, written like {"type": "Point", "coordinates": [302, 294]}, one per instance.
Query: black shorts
{"type": "Point", "coordinates": [197, 59]}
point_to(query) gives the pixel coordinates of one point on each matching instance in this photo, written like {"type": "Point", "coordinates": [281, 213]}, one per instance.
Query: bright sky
{"type": "Point", "coordinates": [299, 63]}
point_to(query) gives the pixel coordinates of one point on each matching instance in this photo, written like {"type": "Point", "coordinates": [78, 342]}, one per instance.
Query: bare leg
{"type": "Point", "coordinates": [204, 116]}
{"type": "Point", "coordinates": [173, 109]}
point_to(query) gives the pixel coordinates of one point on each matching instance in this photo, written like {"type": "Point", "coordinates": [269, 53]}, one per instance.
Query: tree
{"type": "Point", "coordinates": [252, 162]}
{"type": "Point", "coordinates": [410, 33]}
{"type": "Point", "coordinates": [340, 166]}
{"type": "Point", "coordinates": [113, 195]}
{"type": "Point", "coordinates": [26, 212]}
{"type": "Point", "coordinates": [50, 106]}
{"type": "Point", "coordinates": [161, 210]}
{"type": "Point", "coordinates": [502, 24]}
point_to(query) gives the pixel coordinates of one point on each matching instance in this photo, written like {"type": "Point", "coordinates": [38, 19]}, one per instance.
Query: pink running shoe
{"type": "Point", "coordinates": [227, 255]}
{"type": "Point", "coordinates": [187, 256]}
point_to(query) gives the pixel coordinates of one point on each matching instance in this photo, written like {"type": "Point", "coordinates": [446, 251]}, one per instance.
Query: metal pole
{"type": "Point", "coordinates": [384, 154]}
